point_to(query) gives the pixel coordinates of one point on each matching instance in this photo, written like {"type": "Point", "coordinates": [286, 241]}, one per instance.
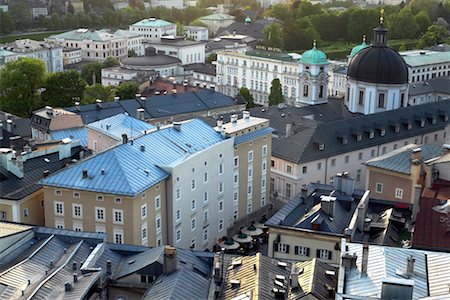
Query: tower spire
{"type": "Point", "coordinates": [381, 16]}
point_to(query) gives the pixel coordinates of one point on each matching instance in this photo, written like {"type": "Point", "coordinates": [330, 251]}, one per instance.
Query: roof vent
{"type": "Point", "coordinates": [46, 173]}
{"type": "Point", "coordinates": [130, 262]}
{"type": "Point", "coordinates": [236, 263]}
{"type": "Point", "coordinates": [142, 148]}
{"type": "Point", "coordinates": [85, 173]}
{"type": "Point", "coordinates": [102, 171]}
{"type": "Point", "coordinates": [330, 272]}
{"type": "Point", "coordinates": [282, 264]}
{"type": "Point", "coordinates": [68, 287]}
{"type": "Point", "coordinates": [177, 126]}
{"type": "Point", "coordinates": [235, 282]}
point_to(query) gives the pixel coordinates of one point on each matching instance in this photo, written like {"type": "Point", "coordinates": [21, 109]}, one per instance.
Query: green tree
{"type": "Point", "coordinates": [435, 34]}
{"type": "Point", "coordinates": [62, 88]}
{"type": "Point", "coordinates": [402, 47]}
{"type": "Point", "coordinates": [402, 25]}
{"type": "Point", "coordinates": [180, 29]}
{"type": "Point", "coordinates": [137, 4]}
{"type": "Point", "coordinates": [90, 71]}
{"type": "Point", "coordinates": [98, 91]}
{"type": "Point", "coordinates": [212, 57]}
{"type": "Point", "coordinates": [70, 8]}
{"type": "Point", "coordinates": [273, 36]}
{"type": "Point", "coordinates": [361, 22]}
{"type": "Point", "coordinates": [21, 14]}
{"type": "Point", "coordinates": [422, 19]}
{"type": "Point", "coordinates": [6, 23]}
{"type": "Point", "coordinates": [20, 83]}
{"type": "Point", "coordinates": [198, 23]}
{"type": "Point", "coordinates": [276, 94]}
{"type": "Point", "coordinates": [127, 90]}
{"type": "Point", "coordinates": [245, 93]}
{"type": "Point", "coordinates": [132, 53]}
{"type": "Point", "coordinates": [110, 62]}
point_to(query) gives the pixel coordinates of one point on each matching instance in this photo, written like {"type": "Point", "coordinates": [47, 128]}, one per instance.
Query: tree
{"type": "Point", "coordinates": [62, 88]}
{"type": "Point", "coordinates": [180, 29]}
{"type": "Point", "coordinates": [198, 23]}
{"type": "Point", "coordinates": [6, 23]}
{"type": "Point", "coordinates": [245, 93]}
{"type": "Point", "coordinates": [132, 53]}
{"type": "Point", "coordinates": [212, 57]}
{"type": "Point", "coordinates": [127, 90]}
{"type": "Point", "coordinates": [20, 84]}
{"type": "Point", "coordinates": [276, 94]}
{"type": "Point", "coordinates": [422, 19]}
{"type": "Point", "coordinates": [403, 25]}
{"type": "Point", "coordinates": [90, 71]}
{"type": "Point", "coordinates": [273, 36]}
{"type": "Point", "coordinates": [110, 62]}
{"type": "Point", "coordinates": [21, 14]}
{"type": "Point", "coordinates": [98, 91]}
{"type": "Point", "coordinates": [402, 47]}
{"type": "Point", "coordinates": [137, 4]}
{"type": "Point", "coordinates": [435, 34]}
{"type": "Point", "coordinates": [70, 8]}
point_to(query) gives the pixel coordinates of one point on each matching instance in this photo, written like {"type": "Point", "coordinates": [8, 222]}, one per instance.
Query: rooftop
{"type": "Point", "coordinates": [153, 22]}
{"type": "Point", "coordinates": [271, 55]}
{"type": "Point", "coordinates": [85, 34]}
{"type": "Point", "coordinates": [27, 45]}
{"type": "Point", "coordinates": [175, 41]}
{"type": "Point", "coordinates": [253, 29]}
{"type": "Point", "coordinates": [427, 58]}
{"type": "Point", "coordinates": [120, 124]}
{"type": "Point", "coordinates": [400, 160]}
{"type": "Point", "coordinates": [217, 17]}
{"type": "Point", "coordinates": [243, 123]}
{"type": "Point", "coordinates": [201, 68]}
{"type": "Point", "coordinates": [438, 85]}
{"type": "Point", "coordinates": [132, 168]}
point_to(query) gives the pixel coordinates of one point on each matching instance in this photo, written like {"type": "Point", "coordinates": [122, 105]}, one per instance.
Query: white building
{"type": "Point", "coordinates": [71, 55]}
{"type": "Point", "coordinates": [424, 64]}
{"type": "Point", "coordinates": [338, 82]}
{"type": "Point", "coordinates": [201, 75]}
{"type": "Point", "coordinates": [95, 45]}
{"type": "Point", "coordinates": [434, 89]}
{"type": "Point", "coordinates": [134, 40]}
{"type": "Point", "coordinates": [50, 54]}
{"type": "Point", "coordinates": [216, 21]}
{"type": "Point", "coordinates": [188, 52]}
{"type": "Point", "coordinates": [116, 75]}
{"type": "Point", "coordinates": [168, 3]}
{"type": "Point", "coordinates": [153, 29]}
{"type": "Point", "coordinates": [303, 81]}
{"type": "Point", "coordinates": [377, 78]}
{"type": "Point", "coordinates": [198, 33]}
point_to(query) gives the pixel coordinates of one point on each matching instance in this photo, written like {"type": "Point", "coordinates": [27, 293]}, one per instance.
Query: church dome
{"type": "Point", "coordinates": [359, 47]}
{"type": "Point", "coordinates": [378, 63]}
{"type": "Point", "coordinates": [248, 20]}
{"type": "Point", "coordinates": [314, 57]}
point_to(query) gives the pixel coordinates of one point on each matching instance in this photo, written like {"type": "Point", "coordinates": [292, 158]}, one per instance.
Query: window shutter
{"type": "Point", "coordinates": [275, 247]}
{"type": "Point", "coordinates": [296, 250]}
{"type": "Point", "coordinates": [318, 253]}
{"type": "Point", "coordinates": [307, 252]}
{"type": "Point", "coordinates": [330, 255]}
{"type": "Point", "coordinates": [287, 248]}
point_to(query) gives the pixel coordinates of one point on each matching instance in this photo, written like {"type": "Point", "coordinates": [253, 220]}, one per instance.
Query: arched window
{"type": "Point", "coordinates": [285, 91]}
{"type": "Point", "coordinates": [305, 90]}
{"type": "Point", "coordinates": [293, 92]}
{"type": "Point", "coordinates": [321, 91]}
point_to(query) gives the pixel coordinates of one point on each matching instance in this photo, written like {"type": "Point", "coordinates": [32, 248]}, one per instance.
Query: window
{"type": "Point", "coordinates": [288, 190]}
{"type": "Point", "coordinates": [178, 235]}
{"type": "Point", "coordinates": [305, 90]}
{"type": "Point", "coordinates": [143, 196]}
{"type": "Point", "coordinates": [193, 223]}
{"type": "Point", "coordinates": [205, 216]}
{"type": "Point", "coordinates": [144, 232]}
{"type": "Point", "coordinates": [333, 162]}
{"type": "Point", "coordinates": [220, 225]}
{"type": "Point", "coordinates": [381, 102]}
{"type": "Point", "coordinates": [178, 194]}
{"type": "Point", "coordinates": [282, 247]}
{"type": "Point", "coordinates": [178, 215]}
{"type": "Point", "coordinates": [143, 211]}
{"type": "Point", "coordinates": [158, 202]}
{"type": "Point", "coordinates": [360, 156]}
{"type": "Point", "coordinates": [249, 190]}
{"type": "Point", "coordinates": [264, 167]}
{"type": "Point", "coordinates": [361, 98]}
{"type": "Point", "coordinates": [25, 212]}
{"type": "Point", "coordinates": [100, 198]}
{"type": "Point", "coordinates": [319, 166]}
{"type": "Point", "coordinates": [205, 235]}
{"type": "Point", "coordinates": [221, 188]}
{"type": "Point", "coordinates": [59, 208]}
{"type": "Point", "coordinates": [118, 216]}
{"type": "Point", "coordinates": [249, 208]}
{"type": "Point", "coordinates": [221, 206]}
{"type": "Point", "coordinates": [304, 169]}
{"type": "Point", "coordinates": [324, 254]}
{"type": "Point", "coordinates": [372, 153]}
{"type": "Point", "coordinates": [235, 197]}
{"type": "Point", "coordinates": [235, 214]}
{"type": "Point", "coordinates": [100, 214]}
{"type": "Point", "coordinates": [236, 161]}
{"type": "Point", "coordinates": [77, 211]}
{"type": "Point", "coordinates": [193, 204]}
{"type": "Point", "coordinates": [250, 171]}
{"type": "Point", "coordinates": [272, 163]}
{"type": "Point", "coordinates": [358, 175]}
{"type": "Point", "coordinates": [221, 169]}
{"type": "Point", "coordinates": [205, 177]}
{"type": "Point", "coordinates": [250, 156]}
{"type": "Point", "coordinates": [264, 150]}
{"type": "Point", "coordinates": [205, 197]}
{"type": "Point", "coordinates": [118, 200]}
{"type": "Point", "coordinates": [192, 244]}
{"type": "Point", "coordinates": [346, 159]}
{"type": "Point", "coordinates": [76, 195]}
{"type": "Point", "coordinates": [379, 187]}
{"type": "Point", "coordinates": [301, 250]}
{"type": "Point", "coordinates": [193, 184]}
{"type": "Point", "coordinates": [398, 193]}
{"type": "Point", "coordinates": [118, 237]}
{"type": "Point", "coordinates": [288, 169]}
{"type": "Point", "coordinates": [58, 192]}
{"type": "Point", "coordinates": [383, 150]}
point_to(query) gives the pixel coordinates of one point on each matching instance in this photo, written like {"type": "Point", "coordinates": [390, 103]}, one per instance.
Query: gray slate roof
{"type": "Point", "coordinates": [438, 85]}
{"type": "Point", "coordinates": [400, 160]}
{"type": "Point", "coordinates": [254, 29]}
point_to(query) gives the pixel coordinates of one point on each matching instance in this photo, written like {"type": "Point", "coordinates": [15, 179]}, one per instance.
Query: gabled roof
{"type": "Point", "coordinates": [217, 17]}
{"type": "Point", "coordinates": [75, 134]}
{"type": "Point", "coordinates": [120, 124]}
{"type": "Point", "coordinates": [128, 170]}
{"type": "Point", "coordinates": [400, 160]}
{"type": "Point", "coordinates": [303, 147]}
{"type": "Point", "coordinates": [438, 85]}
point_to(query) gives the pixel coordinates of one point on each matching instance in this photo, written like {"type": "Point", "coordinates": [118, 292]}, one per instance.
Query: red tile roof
{"type": "Point", "coordinates": [432, 228]}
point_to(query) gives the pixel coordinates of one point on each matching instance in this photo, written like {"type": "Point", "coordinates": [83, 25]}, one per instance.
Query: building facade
{"type": "Point", "coordinates": [188, 52]}
{"type": "Point", "coordinates": [216, 21]}
{"type": "Point", "coordinates": [198, 33]}
{"type": "Point", "coordinates": [71, 56]}
{"type": "Point", "coordinates": [153, 29]}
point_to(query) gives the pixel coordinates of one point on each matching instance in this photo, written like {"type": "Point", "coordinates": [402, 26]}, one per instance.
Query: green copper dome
{"type": "Point", "coordinates": [358, 48]}
{"type": "Point", "coordinates": [314, 57]}
{"type": "Point", "coordinates": [247, 20]}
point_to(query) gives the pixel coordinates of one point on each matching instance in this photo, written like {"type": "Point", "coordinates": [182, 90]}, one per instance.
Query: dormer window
{"type": "Point", "coordinates": [397, 128]}
{"type": "Point", "coordinates": [359, 137]}
{"type": "Point", "coordinates": [321, 146]}
{"type": "Point", "coordinates": [344, 140]}
{"type": "Point", "coordinates": [422, 123]}
{"type": "Point", "coordinates": [409, 126]}
{"type": "Point", "coordinates": [383, 132]}
{"type": "Point", "coordinates": [371, 134]}
{"type": "Point", "coordinates": [433, 120]}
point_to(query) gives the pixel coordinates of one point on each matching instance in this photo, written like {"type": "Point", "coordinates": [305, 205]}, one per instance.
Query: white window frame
{"type": "Point", "coordinates": [74, 211]}
{"type": "Point", "coordinates": [264, 150]}
{"type": "Point", "coordinates": [58, 192]}
{"type": "Point", "coordinates": [76, 194]}
{"type": "Point", "coordinates": [399, 193]}
{"type": "Point", "coordinates": [282, 247]}
{"type": "Point", "coordinates": [324, 253]}
{"type": "Point", "coordinates": [250, 156]}
{"type": "Point", "coordinates": [178, 235]}
{"type": "Point", "coordinates": [205, 197]}
{"type": "Point", "coordinates": [178, 194]}
{"type": "Point", "coordinates": [193, 204]}
{"type": "Point", "coordinates": [178, 215]}
{"type": "Point", "coordinates": [100, 198]}
{"type": "Point", "coordinates": [120, 212]}
{"type": "Point", "coordinates": [302, 250]}
{"type": "Point", "coordinates": [220, 187]}
{"type": "Point", "coordinates": [158, 224]}
{"type": "Point", "coordinates": [144, 229]}
{"type": "Point", "coordinates": [100, 228]}
{"type": "Point", "coordinates": [193, 185]}
{"type": "Point", "coordinates": [220, 225]}
{"type": "Point", "coordinates": [193, 223]}
{"type": "Point", "coordinates": [158, 202]}
{"type": "Point", "coordinates": [205, 234]}
{"type": "Point", "coordinates": [144, 211]}
{"type": "Point", "coordinates": [103, 210]}
{"type": "Point", "coordinates": [57, 213]}
{"type": "Point", "coordinates": [220, 205]}
{"type": "Point", "coordinates": [116, 233]}
{"type": "Point", "coordinates": [221, 168]}
{"type": "Point", "coordinates": [236, 161]}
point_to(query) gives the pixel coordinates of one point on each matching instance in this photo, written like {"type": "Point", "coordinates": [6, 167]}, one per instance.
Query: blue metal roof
{"type": "Point", "coordinates": [75, 134]}
{"type": "Point", "coordinates": [252, 135]}
{"type": "Point", "coordinates": [120, 124]}
{"type": "Point", "coordinates": [126, 170]}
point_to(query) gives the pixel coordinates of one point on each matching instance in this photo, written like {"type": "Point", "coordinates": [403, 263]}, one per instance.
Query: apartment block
{"type": "Point", "coordinates": [153, 29]}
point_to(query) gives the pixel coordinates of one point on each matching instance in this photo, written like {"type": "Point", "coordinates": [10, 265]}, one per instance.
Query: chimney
{"type": "Point", "coordinates": [142, 148]}
{"type": "Point", "coordinates": [246, 115]}
{"type": "Point", "coordinates": [46, 173]}
{"type": "Point", "coordinates": [416, 154]}
{"type": "Point", "coordinates": [68, 287]}
{"type": "Point", "coordinates": [170, 260]}
{"type": "Point", "coordinates": [9, 125]}
{"type": "Point", "coordinates": [446, 148]}
{"type": "Point", "coordinates": [85, 173]}
{"type": "Point", "coordinates": [233, 119]}
{"type": "Point", "coordinates": [77, 106]}
{"type": "Point", "coordinates": [327, 204]}
{"type": "Point", "coordinates": [137, 96]}
{"type": "Point", "coordinates": [349, 261]}
{"type": "Point", "coordinates": [364, 259]}
{"type": "Point", "coordinates": [177, 126]}
{"type": "Point", "coordinates": [212, 87]}
{"type": "Point", "coordinates": [294, 277]}
{"type": "Point", "coordinates": [344, 183]}
{"type": "Point", "coordinates": [75, 277]}
{"type": "Point", "coordinates": [108, 267]}
{"type": "Point", "coordinates": [74, 266]}
{"type": "Point", "coordinates": [288, 129]}
{"type": "Point", "coordinates": [218, 268]}
{"type": "Point", "coordinates": [65, 149]}
{"type": "Point", "coordinates": [99, 103]}
{"type": "Point", "coordinates": [124, 138]}
{"type": "Point", "coordinates": [140, 114]}
{"type": "Point", "coordinates": [410, 265]}
{"type": "Point", "coordinates": [116, 98]}
{"type": "Point", "coordinates": [174, 92]}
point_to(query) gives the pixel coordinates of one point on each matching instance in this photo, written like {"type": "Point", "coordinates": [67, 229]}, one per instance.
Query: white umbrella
{"type": "Point", "coordinates": [229, 245]}
{"type": "Point", "coordinates": [261, 226]}
{"type": "Point", "coordinates": [242, 238]}
{"type": "Point", "coordinates": [252, 231]}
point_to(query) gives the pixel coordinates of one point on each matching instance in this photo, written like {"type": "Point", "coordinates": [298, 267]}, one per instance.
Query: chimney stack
{"type": "Point", "coordinates": [46, 173]}
{"type": "Point", "coordinates": [212, 87]}
{"type": "Point", "coordinates": [415, 153]}
{"type": "Point", "coordinates": [75, 277]}
{"type": "Point", "coordinates": [233, 119]}
{"type": "Point", "coordinates": [170, 260]}
{"type": "Point", "coordinates": [446, 148]}
{"type": "Point", "coordinates": [116, 98]}
{"type": "Point", "coordinates": [294, 277]}
{"type": "Point", "coordinates": [140, 114]}
{"type": "Point", "coordinates": [9, 125]}
{"type": "Point", "coordinates": [218, 265]}
{"type": "Point", "coordinates": [177, 126]}
{"type": "Point", "coordinates": [77, 106]}
{"type": "Point", "coordinates": [327, 204]}
{"type": "Point", "coordinates": [410, 265]}
{"type": "Point", "coordinates": [364, 259]}
{"type": "Point", "coordinates": [288, 129]}
{"type": "Point", "coordinates": [246, 115]}
{"type": "Point", "coordinates": [124, 138]}
{"type": "Point", "coordinates": [85, 173]}
{"type": "Point", "coordinates": [108, 267]}
{"type": "Point", "coordinates": [143, 148]}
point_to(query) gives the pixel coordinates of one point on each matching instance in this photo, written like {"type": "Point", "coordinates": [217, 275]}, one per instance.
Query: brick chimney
{"type": "Point", "coordinates": [170, 260]}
